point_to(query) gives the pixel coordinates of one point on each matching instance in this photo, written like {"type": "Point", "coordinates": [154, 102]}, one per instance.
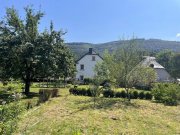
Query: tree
{"type": "Point", "coordinates": [170, 60]}
{"type": "Point", "coordinates": [141, 76]}
{"type": "Point", "coordinates": [128, 57]}
{"type": "Point", "coordinates": [27, 54]}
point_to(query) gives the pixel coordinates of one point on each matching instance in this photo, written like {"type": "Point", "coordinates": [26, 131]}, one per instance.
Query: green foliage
{"type": "Point", "coordinates": [141, 76]}
{"type": "Point", "coordinates": [9, 115]}
{"type": "Point", "coordinates": [168, 94]}
{"type": "Point", "coordinates": [88, 81]}
{"type": "Point", "coordinates": [123, 94]}
{"type": "Point", "coordinates": [151, 46]}
{"type": "Point", "coordinates": [118, 94]}
{"type": "Point", "coordinates": [171, 61]}
{"type": "Point", "coordinates": [148, 96]}
{"type": "Point", "coordinates": [108, 93]}
{"type": "Point", "coordinates": [141, 95]}
{"type": "Point", "coordinates": [27, 54]}
{"type": "Point", "coordinates": [135, 94]}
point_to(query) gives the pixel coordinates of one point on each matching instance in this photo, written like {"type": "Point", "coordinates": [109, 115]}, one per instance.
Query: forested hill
{"type": "Point", "coordinates": [155, 45]}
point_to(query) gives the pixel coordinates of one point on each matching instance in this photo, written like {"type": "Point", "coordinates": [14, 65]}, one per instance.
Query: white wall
{"type": "Point", "coordinates": [89, 66]}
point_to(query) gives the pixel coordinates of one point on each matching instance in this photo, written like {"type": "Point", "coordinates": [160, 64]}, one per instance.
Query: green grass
{"type": "Point", "coordinates": [75, 115]}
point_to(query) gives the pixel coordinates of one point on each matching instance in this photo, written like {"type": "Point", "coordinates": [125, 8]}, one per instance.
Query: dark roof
{"type": "Point", "coordinates": [90, 52]}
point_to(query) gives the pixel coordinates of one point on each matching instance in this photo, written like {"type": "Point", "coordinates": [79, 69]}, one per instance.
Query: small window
{"type": "Point", "coordinates": [82, 67]}
{"type": "Point", "coordinates": [93, 58]}
{"type": "Point", "coordinates": [81, 77]}
{"type": "Point", "coordinates": [151, 65]}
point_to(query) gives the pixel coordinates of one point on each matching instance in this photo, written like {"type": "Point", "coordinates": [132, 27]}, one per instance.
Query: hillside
{"type": "Point", "coordinates": [153, 45]}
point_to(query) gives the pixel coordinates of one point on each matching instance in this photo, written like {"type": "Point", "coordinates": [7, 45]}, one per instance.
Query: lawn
{"type": "Point", "coordinates": [75, 115]}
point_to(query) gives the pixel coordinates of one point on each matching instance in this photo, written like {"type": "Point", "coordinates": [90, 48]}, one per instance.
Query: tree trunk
{"type": "Point", "coordinates": [64, 82]}
{"type": "Point", "coordinates": [27, 86]}
{"type": "Point", "coordinates": [128, 94]}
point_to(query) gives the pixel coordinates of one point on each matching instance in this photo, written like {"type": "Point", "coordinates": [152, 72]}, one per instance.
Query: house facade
{"type": "Point", "coordinates": [162, 74]}
{"type": "Point", "coordinates": [86, 64]}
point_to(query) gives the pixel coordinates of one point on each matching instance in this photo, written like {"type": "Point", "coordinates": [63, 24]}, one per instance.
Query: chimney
{"type": "Point", "coordinates": [90, 50]}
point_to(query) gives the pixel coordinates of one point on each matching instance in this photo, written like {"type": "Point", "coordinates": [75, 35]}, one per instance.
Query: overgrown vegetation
{"type": "Point", "coordinates": [9, 114]}
{"type": "Point", "coordinates": [167, 93]}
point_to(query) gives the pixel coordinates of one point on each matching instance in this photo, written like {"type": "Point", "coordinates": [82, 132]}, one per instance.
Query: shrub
{"type": "Point", "coordinates": [135, 94]}
{"type": "Point", "coordinates": [141, 95]}
{"type": "Point", "coordinates": [83, 92]}
{"type": "Point", "coordinates": [108, 93]}
{"type": "Point", "coordinates": [95, 91]}
{"type": "Point", "coordinates": [168, 94]}
{"type": "Point", "coordinates": [123, 94]}
{"type": "Point", "coordinates": [118, 95]}
{"type": "Point", "coordinates": [9, 115]}
{"type": "Point", "coordinates": [87, 81]}
{"type": "Point", "coordinates": [148, 96]}
{"type": "Point", "coordinates": [44, 95]}
{"type": "Point", "coordinates": [71, 90]}
{"type": "Point", "coordinates": [89, 92]}
{"type": "Point", "coordinates": [10, 88]}
{"type": "Point", "coordinates": [54, 93]}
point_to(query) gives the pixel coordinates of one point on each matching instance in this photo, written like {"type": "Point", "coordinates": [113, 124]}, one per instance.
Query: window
{"type": "Point", "coordinates": [82, 67]}
{"type": "Point", "coordinates": [81, 77]}
{"type": "Point", "coordinates": [93, 58]}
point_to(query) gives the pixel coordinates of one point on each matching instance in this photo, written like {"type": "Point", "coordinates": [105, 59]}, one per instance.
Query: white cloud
{"type": "Point", "coordinates": [178, 35]}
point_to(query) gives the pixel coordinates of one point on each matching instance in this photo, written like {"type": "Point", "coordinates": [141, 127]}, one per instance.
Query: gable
{"type": "Point", "coordinates": [89, 57]}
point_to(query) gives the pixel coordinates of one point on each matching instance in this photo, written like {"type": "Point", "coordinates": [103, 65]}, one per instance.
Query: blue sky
{"type": "Point", "coordinates": [98, 21]}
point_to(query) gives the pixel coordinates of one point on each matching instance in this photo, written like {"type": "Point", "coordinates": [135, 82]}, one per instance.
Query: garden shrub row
{"type": "Point", "coordinates": [80, 91]}
{"type": "Point", "coordinates": [123, 94]}
{"type": "Point", "coordinates": [111, 93]}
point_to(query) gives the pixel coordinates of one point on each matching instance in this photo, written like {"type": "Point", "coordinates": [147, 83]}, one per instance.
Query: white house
{"type": "Point", "coordinates": [86, 64]}
{"type": "Point", "coordinates": [162, 74]}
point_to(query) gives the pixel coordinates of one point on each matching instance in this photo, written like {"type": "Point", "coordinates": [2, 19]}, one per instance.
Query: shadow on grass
{"type": "Point", "coordinates": [31, 95]}
{"type": "Point", "coordinates": [4, 96]}
{"type": "Point", "coordinates": [106, 103]}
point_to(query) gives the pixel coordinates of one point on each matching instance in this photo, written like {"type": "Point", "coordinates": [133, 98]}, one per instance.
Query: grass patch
{"type": "Point", "coordinates": [74, 115]}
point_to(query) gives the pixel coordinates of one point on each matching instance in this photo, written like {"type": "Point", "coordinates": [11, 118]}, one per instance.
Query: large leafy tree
{"type": "Point", "coordinates": [27, 54]}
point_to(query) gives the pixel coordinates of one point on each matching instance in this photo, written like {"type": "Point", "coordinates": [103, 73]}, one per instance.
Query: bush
{"type": "Point", "coordinates": [87, 81]}
{"type": "Point", "coordinates": [168, 94]}
{"type": "Point", "coordinates": [118, 95]}
{"type": "Point", "coordinates": [54, 93]}
{"type": "Point", "coordinates": [9, 115]}
{"type": "Point", "coordinates": [141, 95]}
{"type": "Point", "coordinates": [135, 94]}
{"type": "Point", "coordinates": [123, 94]}
{"type": "Point", "coordinates": [10, 88]}
{"type": "Point", "coordinates": [83, 92]}
{"type": "Point", "coordinates": [89, 92]}
{"type": "Point", "coordinates": [108, 93]}
{"type": "Point", "coordinates": [71, 90]}
{"type": "Point", "coordinates": [148, 96]}
{"type": "Point", "coordinates": [44, 95]}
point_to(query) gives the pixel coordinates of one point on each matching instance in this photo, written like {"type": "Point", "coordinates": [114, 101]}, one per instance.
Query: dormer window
{"type": "Point", "coordinates": [93, 58]}
{"type": "Point", "coordinates": [82, 67]}
{"type": "Point", "coordinates": [151, 65]}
